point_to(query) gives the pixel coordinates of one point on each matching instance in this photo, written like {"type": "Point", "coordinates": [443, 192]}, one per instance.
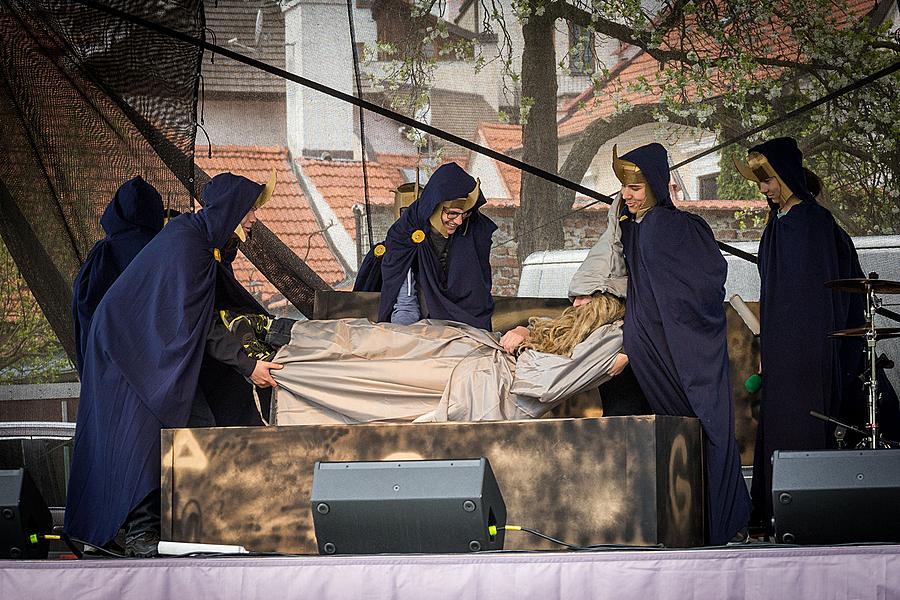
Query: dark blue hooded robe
{"type": "Point", "coordinates": [803, 368]}
{"type": "Point", "coordinates": [131, 219]}
{"type": "Point", "coordinates": [675, 334]}
{"type": "Point", "coordinates": [368, 279]}
{"type": "Point", "coordinates": [143, 358]}
{"type": "Point", "coordinates": [463, 293]}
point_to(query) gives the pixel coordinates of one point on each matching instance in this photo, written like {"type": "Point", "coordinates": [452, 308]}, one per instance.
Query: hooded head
{"type": "Point", "coordinates": [649, 166]}
{"type": "Point", "coordinates": [450, 188]}
{"type": "Point", "coordinates": [227, 199]}
{"type": "Point", "coordinates": [781, 159]}
{"type": "Point", "coordinates": [136, 205]}
{"type": "Point", "coordinates": [450, 214]}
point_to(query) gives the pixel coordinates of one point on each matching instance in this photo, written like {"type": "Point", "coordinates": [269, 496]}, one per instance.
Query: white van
{"type": "Point", "coordinates": [546, 274]}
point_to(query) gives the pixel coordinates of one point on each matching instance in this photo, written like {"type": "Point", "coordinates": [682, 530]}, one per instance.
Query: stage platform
{"type": "Point", "coordinates": [757, 573]}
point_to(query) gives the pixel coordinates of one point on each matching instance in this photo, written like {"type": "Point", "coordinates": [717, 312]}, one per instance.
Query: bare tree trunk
{"type": "Point", "coordinates": [538, 205]}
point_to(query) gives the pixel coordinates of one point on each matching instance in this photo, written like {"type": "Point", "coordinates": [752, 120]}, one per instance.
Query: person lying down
{"type": "Point", "coordinates": [355, 371]}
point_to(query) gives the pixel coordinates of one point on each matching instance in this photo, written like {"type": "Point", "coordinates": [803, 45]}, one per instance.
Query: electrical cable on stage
{"type": "Point", "coordinates": [493, 529]}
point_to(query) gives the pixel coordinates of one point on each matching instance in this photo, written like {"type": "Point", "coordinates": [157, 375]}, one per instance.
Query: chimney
{"type": "Point", "coordinates": [317, 46]}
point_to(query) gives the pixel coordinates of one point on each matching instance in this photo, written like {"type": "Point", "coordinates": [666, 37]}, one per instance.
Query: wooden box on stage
{"type": "Point", "coordinates": [617, 480]}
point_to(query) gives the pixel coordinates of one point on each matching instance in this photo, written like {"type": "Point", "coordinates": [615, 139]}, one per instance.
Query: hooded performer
{"type": "Point", "coordinates": [369, 277]}
{"type": "Point", "coordinates": [143, 360]}
{"type": "Point", "coordinates": [437, 259]}
{"type": "Point", "coordinates": [130, 220]}
{"type": "Point", "coordinates": [675, 328]}
{"type": "Point", "coordinates": [802, 248]}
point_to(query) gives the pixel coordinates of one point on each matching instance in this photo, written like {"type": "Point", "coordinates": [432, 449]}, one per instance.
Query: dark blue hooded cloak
{"type": "Point", "coordinates": [464, 293]}
{"type": "Point", "coordinates": [143, 358]}
{"type": "Point", "coordinates": [368, 279]}
{"type": "Point", "coordinates": [131, 219]}
{"type": "Point", "coordinates": [675, 334]}
{"type": "Point", "coordinates": [803, 368]}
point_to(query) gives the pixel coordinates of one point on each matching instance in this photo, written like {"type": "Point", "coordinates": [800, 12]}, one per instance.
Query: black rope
{"type": "Point", "coordinates": [375, 108]}
{"type": "Point", "coordinates": [362, 122]}
{"type": "Point", "coordinates": [522, 166]}
{"type": "Point", "coordinates": [797, 111]}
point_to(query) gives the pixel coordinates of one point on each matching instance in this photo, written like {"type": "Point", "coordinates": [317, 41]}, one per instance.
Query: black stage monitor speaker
{"type": "Point", "coordinates": [836, 496]}
{"type": "Point", "coordinates": [23, 513]}
{"type": "Point", "coordinates": [407, 506]}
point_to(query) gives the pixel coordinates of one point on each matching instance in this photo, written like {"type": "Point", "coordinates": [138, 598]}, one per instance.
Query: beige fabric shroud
{"type": "Point", "coordinates": [355, 371]}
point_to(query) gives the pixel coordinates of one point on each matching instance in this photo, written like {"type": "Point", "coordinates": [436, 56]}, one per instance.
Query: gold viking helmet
{"type": "Point", "coordinates": [758, 169]}
{"type": "Point", "coordinates": [405, 195]}
{"type": "Point", "coordinates": [627, 172]}
{"type": "Point", "coordinates": [464, 204]}
{"type": "Point", "coordinates": [264, 196]}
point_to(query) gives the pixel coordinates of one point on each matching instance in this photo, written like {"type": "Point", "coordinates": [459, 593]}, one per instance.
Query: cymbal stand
{"type": "Point", "coordinates": [873, 302]}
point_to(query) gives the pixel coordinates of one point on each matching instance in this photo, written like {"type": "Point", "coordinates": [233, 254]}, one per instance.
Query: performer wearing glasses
{"type": "Point", "coordinates": [436, 262]}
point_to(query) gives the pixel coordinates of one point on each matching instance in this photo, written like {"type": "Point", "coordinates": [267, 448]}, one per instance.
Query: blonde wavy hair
{"type": "Point", "coordinates": [562, 334]}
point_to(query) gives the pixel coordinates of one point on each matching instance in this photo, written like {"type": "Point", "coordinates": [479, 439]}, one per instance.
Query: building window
{"type": "Point", "coordinates": [708, 187]}
{"type": "Point", "coordinates": [581, 50]}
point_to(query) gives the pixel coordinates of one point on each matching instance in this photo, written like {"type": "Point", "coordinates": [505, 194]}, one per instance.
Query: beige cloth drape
{"type": "Point", "coordinates": [603, 270]}
{"type": "Point", "coordinates": [355, 371]}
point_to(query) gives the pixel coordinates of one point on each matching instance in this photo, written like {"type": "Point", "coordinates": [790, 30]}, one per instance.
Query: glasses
{"type": "Point", "coordinates": [453, 215]}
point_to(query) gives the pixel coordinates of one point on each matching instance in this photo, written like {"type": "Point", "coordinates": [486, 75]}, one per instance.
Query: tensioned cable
{"type": "Point", "coordinates": [797, 111]}
{"type": "Point", "coordinates": [365, 104]}
{"type": "Point", "coordinates": [522, 166]}
{"type": "Point", "coordinates": [362, 122]}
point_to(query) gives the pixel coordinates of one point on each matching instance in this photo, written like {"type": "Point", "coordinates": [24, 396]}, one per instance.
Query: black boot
{"type": "Point", "coordinates": [142, 528]}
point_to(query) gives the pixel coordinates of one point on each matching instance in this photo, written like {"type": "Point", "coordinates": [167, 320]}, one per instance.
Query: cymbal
{"type": "Point", "coordinates": [880, 332]}
{"type": "Point", "coordinates": [863, 285]}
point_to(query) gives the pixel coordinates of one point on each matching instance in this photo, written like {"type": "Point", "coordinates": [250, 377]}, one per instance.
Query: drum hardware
{"type": "Point", "coordinates": [863, 285]}
{"type": "Point", "coordinates": [840, 429]}
{"type": "Point", "coordinates": [869, 286]}
{"type": "Point", "coordinates": [881, 333]}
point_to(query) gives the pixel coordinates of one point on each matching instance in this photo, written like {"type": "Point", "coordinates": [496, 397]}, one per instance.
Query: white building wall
{"type": "Point", "coordinates": [244, 122]}
{"type": "Point", "coordinates": [318, 50]}
{"type": "Point", "coordinates": [485, 169]}
{"type": "Point", "coordinates": [681, 142]}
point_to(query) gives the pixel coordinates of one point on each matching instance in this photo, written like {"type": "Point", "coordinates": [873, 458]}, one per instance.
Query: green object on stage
{"type": "Point", "coordinates": [753, 383]}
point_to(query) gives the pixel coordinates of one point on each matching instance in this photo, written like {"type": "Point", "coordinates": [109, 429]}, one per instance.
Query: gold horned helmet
{"type": "Point", "coordinates": [264, 196]}
{"type": "Point", "coordinates": [464, 204]}
{"type": "Point", "coordinates": [405, 195]}
{"type": "Point", "coordinates": [758, 169]}
{"type": "Point", "coordinates": [629, 173]}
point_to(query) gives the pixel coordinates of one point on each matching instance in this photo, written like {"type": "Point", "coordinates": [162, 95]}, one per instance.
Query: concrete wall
{"type": "Point", "coordinates": [317, 49]}
{"type": "Point", "coordinates": [244, 122]}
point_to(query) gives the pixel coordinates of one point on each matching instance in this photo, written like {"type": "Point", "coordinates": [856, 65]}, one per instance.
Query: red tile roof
{"type": "Point", "coordinates": [603, 102]}
{"type": "Point", "coordinates": [288, 214]}
{"type": "Point", "coordinates": [721, 204]}
{"type": "Point", "coordinates": [340, 182]}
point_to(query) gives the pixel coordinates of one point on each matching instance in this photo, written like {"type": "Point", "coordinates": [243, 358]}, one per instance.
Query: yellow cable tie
{"type": "Point", "coordinates": [512, 527]}
{"type": "Point", "coordinates": [51, 536]}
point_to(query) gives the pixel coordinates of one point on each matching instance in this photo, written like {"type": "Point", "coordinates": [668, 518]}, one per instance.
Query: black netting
{"type": "Point", "coordinates": [283, 268]}
{"type": "Point", "coordinates": [87, 101]}
{"type": "Point", "coordinates": [91, 98]}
